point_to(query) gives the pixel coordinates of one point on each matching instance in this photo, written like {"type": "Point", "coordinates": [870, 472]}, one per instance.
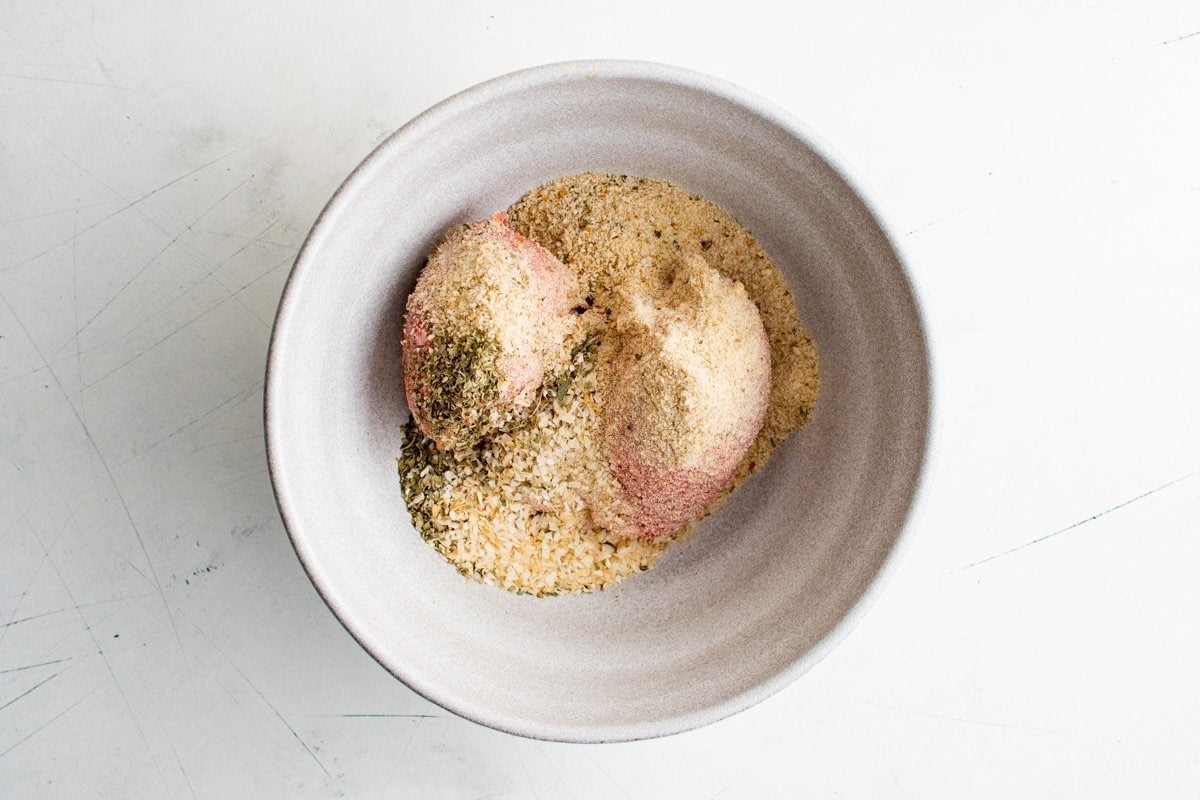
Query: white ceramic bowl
{"type": "Point", "coordinates": [766, 586]}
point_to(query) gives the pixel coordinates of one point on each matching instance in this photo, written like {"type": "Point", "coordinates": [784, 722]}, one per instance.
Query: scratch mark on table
{"type": "Point", "coordinates": [1017, 471]}
{"type": "Point", "coordinates": [263, 697]}
{"type": "Point", "coordinates": [524, 768]}
{"type": "Point", "coordinates": [293, 246]}
{"type": "Point", "coordinates": [54, 213]}
{"type": "Point", "coordinates": [1125, 596]}
{"type": "Point", "coordinates": [554, 768]}
{"type": "Point", "coordinates": [24, 516]}
{"type": "Point", "coordinates": [291, 256]}
{"type": "Point", "coordinates": [48, 722]}
{"type": "Point", "coordinates": [128, 515]}
{"type": "Point", "coordinates": [941, 219]}
{"type": "Point", "coordinates": [146, 321]}
{"type": "Point", "coordinates": [180, 327]}
{"type": "Point", "coordinates": [94, 651]}
{"type": "Point", "coordinates": [175, 751]}
{"type": "Point", "coordinates": [198, 256]}
{"type": "Point", "coordinates": [236, 397]}
{"type": "Point", "coordinates": [73, 608]}
{"type": "Point", "coordinates": [158, 342]}
{"type": "Point", "coordinates": [230, 27]}
{"type": "Point", "coordinates": [32, 666]}
{"type": "Point", "coordinates": [230, 296]}
{"type": "Point", "coordinates": [57, 245]}
{"type": "Point", "coordinates": [237, 299]}
{"type": "Point", "coordinates": [85, 30]}
{"type": "Point", "coordinates": [80, 329]}
{"type": "Point", "coordinates": [108, 666]}
{"type": "Point", "coordinates": [392, 716]}
{"type": "Point", "coordinates": [22, 376]}
{"type": "Point", "coordinates": [607, 774]}
{"type": "Point", "coordinates": [131, 203]}
{"type": "Point", "coordinates": [1179, 38]}
{"type": "Point", "coordinates": [957, 720]}
{"type": "Point", "coordinates": [45, 79]}
{"type": "Point", "coordinates": [403, 750]}
{"type": "Point", "coordinates": [43, 614]}
{"type": "Point", "coordinates": [14, 39]}
{"type": "Point", "coordinates": [493, 795]}
{"type": "Point", "coordinates": [256, 239]}
{"type": "Point", "coordinates": [63, 493]}
{"type": "Point", "coordinates": [138, 534]}
{"type": "Point", "coordinates": [30, 690]}
{"type": "Point", "coordinates": [1073, 526]}
{"type": "Point", "coordinates": [75, 313]}
{"type": "Point", "coordinates": [282, 719]}
{"type": "Point", "coordinates": [241, 478]}
{"type": "Point", "coordinates": [45, 555]}
{"type": "Point", "coordinates": [191, 225]}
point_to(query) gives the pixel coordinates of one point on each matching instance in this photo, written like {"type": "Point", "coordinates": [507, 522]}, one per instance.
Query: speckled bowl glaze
{"type": "Point", "coordinates": [765, 587]}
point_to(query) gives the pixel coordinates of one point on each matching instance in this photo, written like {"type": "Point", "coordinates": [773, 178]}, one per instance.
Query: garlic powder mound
{"type": "Point", "coordinates": [686, 379]}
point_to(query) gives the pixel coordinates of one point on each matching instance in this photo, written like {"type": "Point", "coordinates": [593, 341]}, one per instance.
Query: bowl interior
{"type": "Point", "coordinates": [764, 586]}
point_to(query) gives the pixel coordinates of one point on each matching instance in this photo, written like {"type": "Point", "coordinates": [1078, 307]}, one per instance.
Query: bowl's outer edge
{"type": "Point", "coordinates": [617, 68]}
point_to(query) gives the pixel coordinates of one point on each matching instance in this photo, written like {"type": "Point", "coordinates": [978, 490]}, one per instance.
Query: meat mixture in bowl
{"type": "Point", "coordinates": [590, 373]}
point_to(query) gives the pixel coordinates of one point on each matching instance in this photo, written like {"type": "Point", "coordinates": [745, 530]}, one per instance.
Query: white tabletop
{"type": "Point", "coordinates": [159, 168]}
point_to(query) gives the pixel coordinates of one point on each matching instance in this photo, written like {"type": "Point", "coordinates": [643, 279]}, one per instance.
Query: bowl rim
{"type": "Point", "coordinates": [648, 71]}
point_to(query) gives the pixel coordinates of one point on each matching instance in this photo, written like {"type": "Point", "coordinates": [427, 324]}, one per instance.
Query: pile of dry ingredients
{"type": "Point", "coordinates": [515, 511]}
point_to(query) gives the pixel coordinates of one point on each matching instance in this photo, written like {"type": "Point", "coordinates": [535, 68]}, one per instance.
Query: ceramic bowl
{"type": "Point", "coordinates": [762, 589]}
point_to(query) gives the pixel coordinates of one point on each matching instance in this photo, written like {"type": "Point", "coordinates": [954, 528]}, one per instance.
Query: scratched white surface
{"type": "Point", "coordinates": [159, 167]}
